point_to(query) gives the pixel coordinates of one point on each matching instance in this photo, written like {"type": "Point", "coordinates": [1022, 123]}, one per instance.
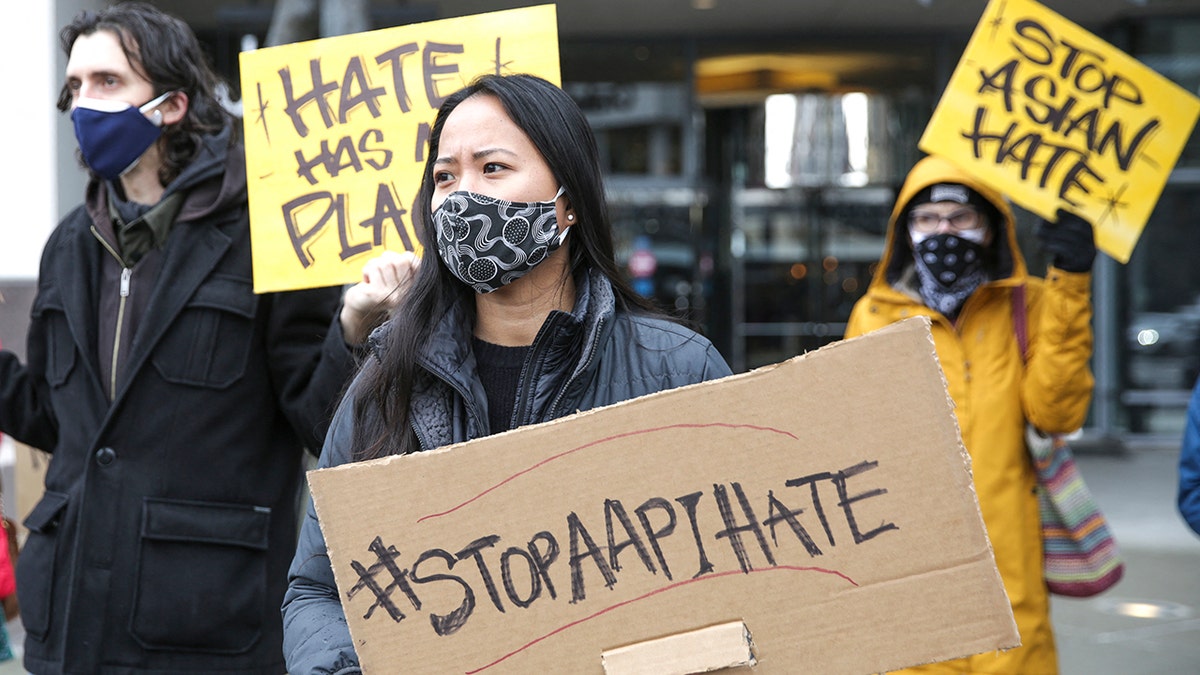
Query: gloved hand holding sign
{"type": "Point", "coordinates": [1070, 241]}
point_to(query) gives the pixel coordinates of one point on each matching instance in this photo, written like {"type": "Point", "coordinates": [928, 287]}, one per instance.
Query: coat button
{"type": "Point", "coordinates": [106, 456]}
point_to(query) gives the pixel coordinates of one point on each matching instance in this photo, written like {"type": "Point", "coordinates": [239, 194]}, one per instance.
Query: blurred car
{"type": "Point", "coordinates": [1164, 348]}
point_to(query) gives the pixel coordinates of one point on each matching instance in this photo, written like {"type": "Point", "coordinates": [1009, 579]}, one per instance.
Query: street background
{"type": "Point", "coordinates": [1149, 623]}
{"type": "Point", "coordinates": [1159, 631]}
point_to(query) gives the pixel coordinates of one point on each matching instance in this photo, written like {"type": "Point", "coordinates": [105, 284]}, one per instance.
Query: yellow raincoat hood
{"type": "Point", "coordinates": [1005, 260]}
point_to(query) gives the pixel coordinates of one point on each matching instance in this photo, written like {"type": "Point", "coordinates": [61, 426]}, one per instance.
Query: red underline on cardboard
{"type": "Point", "coordinates": [598, 442]}
{"type": "Point", "coordinates": [606, 610]}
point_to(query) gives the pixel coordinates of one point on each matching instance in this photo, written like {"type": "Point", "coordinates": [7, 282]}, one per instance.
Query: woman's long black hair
{"type": "Point", "coordinates": [561, 133]}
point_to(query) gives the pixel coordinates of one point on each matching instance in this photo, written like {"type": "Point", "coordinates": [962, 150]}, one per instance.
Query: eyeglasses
{"type": "Point", "coordinates": [960, 220]}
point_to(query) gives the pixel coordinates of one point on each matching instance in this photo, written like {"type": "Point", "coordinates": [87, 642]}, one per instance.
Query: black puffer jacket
{"type": "Point", "coordinates": [169, 517]}
{"type": "Point", "coordinates": [593, 357]}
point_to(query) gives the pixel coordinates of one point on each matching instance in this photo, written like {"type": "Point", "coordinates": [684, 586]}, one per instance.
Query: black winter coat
{"type": "Point", "coordinates": [169, 517]}
{"type": "Point", "coordinates": [592, 357]}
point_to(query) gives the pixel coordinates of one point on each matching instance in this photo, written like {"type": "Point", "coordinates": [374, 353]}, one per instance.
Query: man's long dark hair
{"type": "Point", "coordinates": [561, 133]}
{"type": "Point", "coordinates": [165, 51]}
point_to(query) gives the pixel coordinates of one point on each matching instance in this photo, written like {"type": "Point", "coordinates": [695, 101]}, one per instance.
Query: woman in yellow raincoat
{"type": "Point", "coordinates": [963, 280]}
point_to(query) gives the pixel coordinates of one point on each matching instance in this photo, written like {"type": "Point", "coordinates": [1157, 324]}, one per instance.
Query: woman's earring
{"type": "Point", "coordinates": [570, 217]}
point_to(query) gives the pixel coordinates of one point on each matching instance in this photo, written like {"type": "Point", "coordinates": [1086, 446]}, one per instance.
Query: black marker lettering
{"type": "Point", "coordinates": [1074, 181]}
{"type": "Point", "coordinates": [1124, 156]}
{"type": "Point", "coordinates": [472, 550]}
{"type": "Point", "coordinates": [614, 509]}
{"type": "Point", "coordinates": [579, 533]}
{"type": "Point", "coordinates": [733, 531]}
{"type": "Point", "coordinates": [377, 136]}
{"type": "Point", "coordinates": [778, 513]}
{"type": "Point", "coordinates": [345, 157]}
{"type": "Point", "coordinates": [1000, 80]}
{"type": "Point", "coordinates": [434, 68]}
{"type": "Point", "coordinates": [395, 57]}
{"type": "Point", "coordinates": [535, 584]}
{"type": "Point", "coordinates": [659, 504]}
{"type": "Point", "coordinates": [446, 624]}
{"type": "Point", "coordinates": [387, 209]}
{"type": "Point", "coordinates": [348, 250]}
{"type": "Point", "coordinates": [544, 560]}
{"type": "Point", "coordinates": [295, 104]}
{"type": "Point", "coordinates": [811, 481]}
{"type": "Point", "coordinates": [422, 142]}
{"type": "Point", "coordinates": [689, 502]}
{"type": "Point", "coordinates": [299, 239]}
{"type": "Point", "coordinates": [845, 501]}
{"type": "Point", "coordinates": [356, 78]}
{"type": "Point", "coordinates": [1039, 45]}
{"type": "Point", "coordinates": [386, 561]}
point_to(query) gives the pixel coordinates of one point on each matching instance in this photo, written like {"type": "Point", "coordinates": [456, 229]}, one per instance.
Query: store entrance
{"type": "Point", "coordinates": [806, 186]}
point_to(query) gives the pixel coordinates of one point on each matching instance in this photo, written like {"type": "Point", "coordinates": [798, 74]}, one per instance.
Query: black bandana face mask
{"type": "Point", "coordinates": [488, 243]}
{"type": "Point", "coordinates": [950, 268]}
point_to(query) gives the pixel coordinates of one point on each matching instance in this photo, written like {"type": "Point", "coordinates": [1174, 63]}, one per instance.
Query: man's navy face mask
{"type": "Point", "coordinates": [113, 135]}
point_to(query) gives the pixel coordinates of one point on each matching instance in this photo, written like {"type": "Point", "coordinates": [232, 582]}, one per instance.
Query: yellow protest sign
{"type": "Point", "coordinates": [337, 130]}
{"type": "Point", "coordinates": [1053, 116]}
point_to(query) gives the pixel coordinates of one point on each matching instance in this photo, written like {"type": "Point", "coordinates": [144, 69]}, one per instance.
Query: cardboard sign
{"type": "Point", "coordinates": [826, 502]}
{"type": "Point", "coordinates": [1052, 116]}
{"type": "Point", "coordinates": [337, 130]}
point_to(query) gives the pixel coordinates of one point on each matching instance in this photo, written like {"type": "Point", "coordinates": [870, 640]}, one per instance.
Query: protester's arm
{"type": "Point", "coordinates": [1057, 387]}
{"type": "Point", "coordinates": [311, 355]}
{"type": "Point", "coordinates": [368, 303]}
{"type": "Point", "coordinates": [309, 360]}
{"type": "Point", "coordinates": [24, 400]}
{"type": "Point", "coordinates": [25, 408]}
{"type": "Point", "coordinates": [24, 405]}
{"type": "Point", "coordinates": [316, 637]}
{"type": "Point", "coordinates": [1189, 464]}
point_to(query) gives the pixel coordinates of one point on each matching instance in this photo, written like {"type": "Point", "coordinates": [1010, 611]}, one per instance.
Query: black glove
{"type": "Point", "coordinates": [1069, 241]}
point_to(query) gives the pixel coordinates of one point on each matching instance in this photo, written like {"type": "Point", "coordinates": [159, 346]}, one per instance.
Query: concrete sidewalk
{"type": "Point", "coordinates": [1149, 623]}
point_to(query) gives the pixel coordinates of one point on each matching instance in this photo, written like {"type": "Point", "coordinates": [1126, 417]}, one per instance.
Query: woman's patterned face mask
{"type": "Point", "coordinates": [489, 243]}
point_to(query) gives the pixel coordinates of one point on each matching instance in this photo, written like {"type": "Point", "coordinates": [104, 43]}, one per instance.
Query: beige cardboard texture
{"type": "Point", "coordinates": [825, 501]}
{"type": "Point", "coordinates": [700, 651]}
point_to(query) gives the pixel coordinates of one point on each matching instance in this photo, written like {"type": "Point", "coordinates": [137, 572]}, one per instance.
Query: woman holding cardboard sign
{"type": "Point", "coordinates": [517, 316]}
{"type": "Point", "coordinates": [952, 255]}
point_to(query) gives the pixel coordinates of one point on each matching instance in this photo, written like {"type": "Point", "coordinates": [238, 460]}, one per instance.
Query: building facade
{"type": "Point", "coordinates": [752, 158]}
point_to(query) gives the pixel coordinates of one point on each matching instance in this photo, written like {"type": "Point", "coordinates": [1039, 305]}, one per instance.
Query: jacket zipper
{"type": "Point", "coordinates": [126, 277]}
{"type": "Point", "coordinates": [591, 354]}
{"type": "Point", "coordinates": [126, 273]}
{"type": "Point", "coordinates": [524, 392]}
{"type": "Point", "coordinates": [421, 439]}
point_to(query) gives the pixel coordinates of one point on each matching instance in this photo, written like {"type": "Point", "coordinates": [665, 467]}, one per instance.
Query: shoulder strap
{"type": "Point", "coordinates": [1019, 320]}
